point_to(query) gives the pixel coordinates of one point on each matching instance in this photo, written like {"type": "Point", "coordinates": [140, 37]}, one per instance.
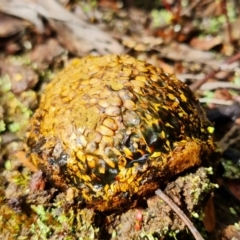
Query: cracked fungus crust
{"type": "Point", "coordinates": [114, 128]}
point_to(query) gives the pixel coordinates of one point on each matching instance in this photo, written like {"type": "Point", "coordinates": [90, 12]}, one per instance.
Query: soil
{"type": "Point", "coordinates": [34, 51]}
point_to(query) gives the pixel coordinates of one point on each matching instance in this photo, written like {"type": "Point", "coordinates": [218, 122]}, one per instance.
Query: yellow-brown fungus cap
{"type": "Point", "coordinates": [114, 128]}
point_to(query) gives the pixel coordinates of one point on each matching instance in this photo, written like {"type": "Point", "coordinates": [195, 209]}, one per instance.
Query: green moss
{"type": "Point", "coordinates": [14, 127]}
{"type": "Point", "coordinates": [52, 222]}
{"type": "Point", "coordinates": [161, 17]}
{"type": "Point", "coordinates": [2, 126]}
{"type": "Point", "coordinates": [232, 170]}
{"type": "Point", "coordinates": [57, 218]}
{"type": "Point", "coordinates": [16, 112]}
{"type": "Point", "coordinates": [47, 222]}
{"type": "Point", "coordinates": [21, 178]}
{"type": "Point", "coordinates": [12, 224]}
{"type": "Point", "coordinates": [5, 84]}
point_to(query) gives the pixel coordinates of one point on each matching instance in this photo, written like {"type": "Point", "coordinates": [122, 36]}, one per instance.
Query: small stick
{"type": "Point", "coordinates": [194, 86]}
{"type": "Point", "coordinates": [216, 101]}
{"type": "Point", "coordinates": [180, 213]}
{"type": "Point", "coordinates": [228, 139]}
{"type": "Point", "coordinates": [225, 12]}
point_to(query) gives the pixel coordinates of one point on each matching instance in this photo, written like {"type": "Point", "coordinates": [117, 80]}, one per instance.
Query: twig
{"type": "Point", "coordinates": [180, 213]}
{"type": "Point", "coordinates": [225, 12]}
{"type": "Point", "coordinates": [208, 86]}
{"type": "Point", "coordinates": [199, 83]}
{"type": "Point", "coordinates": [9, 137]}
{"type": "Point", "coordinates": [216, 101]}
{"type": "Point", "coordinates": [228, 139]}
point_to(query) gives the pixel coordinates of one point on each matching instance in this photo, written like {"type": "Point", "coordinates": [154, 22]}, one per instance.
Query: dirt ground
{"type": "Point", "coordinates": [198, 41]}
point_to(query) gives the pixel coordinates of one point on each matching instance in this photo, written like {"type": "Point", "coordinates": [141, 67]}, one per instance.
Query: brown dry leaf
{"type": "Point", "coordinates": [212, 9]}
{"type": "Point", "coordinates": [206, 43]}
{"type": "Point", "coordinates": [230, 233]}
{"type": "Point", "coordinates": [209, 219]}
{"type": "Point", "coordinates": [129, 42]}
{"type": "Point", "coordinates": [44, 55]}
{"type": "Point", "coordinates": [166, 67]}
{"type": "Point", "coordinates": [165, 33]}
{"type": "Point", "coordinates": [234, 187]}
{"type": "Point", "coordinates": [222, 75]}
{"type": "Point", "coordinates": [223, 94]}
{"type": "Point", "coordinates": [25, 9]}
{"type": "Point", "coordinates": [11, 30]}
{"type": "Point", "coordinates": [235, 33]}
{"type": "Point", "coordinates": [208, 86]}
{"type": "Point", "coordinates": [182, 52]}
{"type": "Point", "coordinates": [109, 4]}
{"type": "Point", "coordinates": [10, 26]}
{"type": "Point", "coordinates": [75, 34]}
{"type": "Point", "coordinates": [22, 77]}
{"type": "Point", "coordinates": [145, 43]}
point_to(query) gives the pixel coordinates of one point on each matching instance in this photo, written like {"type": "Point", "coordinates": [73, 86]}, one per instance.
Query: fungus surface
{"type": "Point", "coordinates": [115, 128]}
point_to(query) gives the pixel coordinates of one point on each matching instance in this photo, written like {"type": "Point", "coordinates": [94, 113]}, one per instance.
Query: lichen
{"type": "Point", "coordinates": [15, 107]}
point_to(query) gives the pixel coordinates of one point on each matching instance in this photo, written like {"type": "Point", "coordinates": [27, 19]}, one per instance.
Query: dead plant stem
{"type": "Point", "coordinates": [180, 213]}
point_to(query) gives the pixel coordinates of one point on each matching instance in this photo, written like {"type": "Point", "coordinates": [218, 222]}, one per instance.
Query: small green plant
{"type": "Point", "coordinates": [161, 17]}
